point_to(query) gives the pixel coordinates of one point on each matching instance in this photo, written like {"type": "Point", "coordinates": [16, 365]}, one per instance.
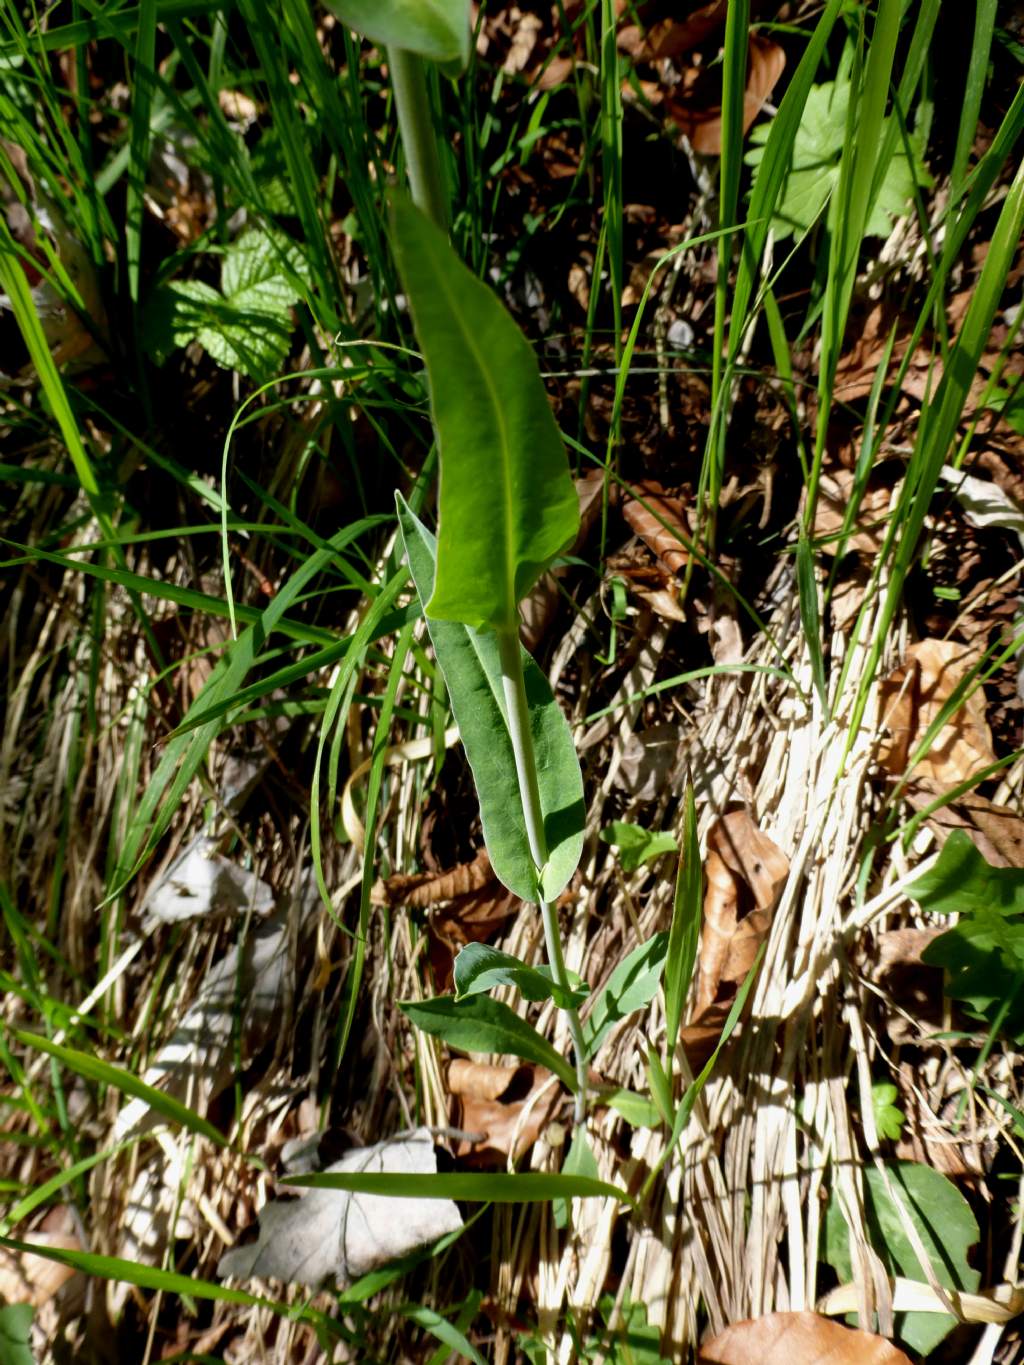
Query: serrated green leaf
{"type": "Point", "coordinates": [507, 502]}
{"type": "Point", "coordinates": [944, 1223]}
{"type": "Point", "coordinates": [889, 1119]}
{"type": "Point", "coordinates": [479, 968]}
{"type": "Point", "coordinates": [814, 170]}
{"type": "Point", "coordinates": [635, 844]}
{"type": "Point", "coordinates": [633, 984]}
{"type": "Point", "coordinates": [436, 29]}
{"type": "Point", "coordinates": [481, 1024]}
{"type": "Point", "coordinates": [175, 314]}
{"type": "Point", "coordinates": [248, 326]}
{"type": "Point", "coordinates": [472, 670]}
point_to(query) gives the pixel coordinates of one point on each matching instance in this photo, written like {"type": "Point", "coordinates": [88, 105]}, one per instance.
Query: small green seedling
{"type": "Point", "coordinates": [636, 845]}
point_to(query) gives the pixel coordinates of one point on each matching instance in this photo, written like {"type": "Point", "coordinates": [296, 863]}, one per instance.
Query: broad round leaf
{"type": "Point", "coordinates": [436, 29]}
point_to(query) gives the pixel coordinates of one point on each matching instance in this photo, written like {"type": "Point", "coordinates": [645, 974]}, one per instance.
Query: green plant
{"type": "Point", "coordinates": [983, 954]}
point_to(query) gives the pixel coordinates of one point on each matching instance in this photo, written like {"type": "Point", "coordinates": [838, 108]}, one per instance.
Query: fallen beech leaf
{"type": "Point", "coordinates": [798, 1339]}
{"type": "Point", "coordinates": [421, 889]}
{"type": "Point", "coordinates": [911, 698]}
{"type": "Point", "coordinates": [702, 124]}
{"type": "Point", "coordinates": [504, 1105]}
{"type": "Point", "coordinates": [997, 831]}
{"type": "Point", "coordinates": [327, 1235]}
{"type": "Point", "coordinates": [672, 37]}
{"type": "Point", "coordinates": [661, 539]}
{"type": "Point", "coordinates": [868, 530]}
{"type": "Point", "coordinates": [741, 863]}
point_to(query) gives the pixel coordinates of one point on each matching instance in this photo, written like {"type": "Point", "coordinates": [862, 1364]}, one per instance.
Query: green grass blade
{"type": "Point", "coordinates": [484, 1187]}
{"type": "Point", "coordinates": [103, 1073]}
{"type": "Point", "coordinates": [684, 931]}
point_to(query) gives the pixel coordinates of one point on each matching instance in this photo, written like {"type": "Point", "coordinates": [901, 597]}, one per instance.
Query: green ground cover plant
{"type": "Point", "coordinates": [472, 475]}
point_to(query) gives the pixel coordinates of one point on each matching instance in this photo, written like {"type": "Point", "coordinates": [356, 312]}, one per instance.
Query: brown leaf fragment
{"type": "Point", "coordinates": [673, 37]}
{"type": "Point", "coordinates": [663, 524]}
{"type": "Point", "coordinates": [868, 530]}
{"type": "Point", "coordinates": [503, 1105]}
{"type": "Point", "coordinates": [997, 831]}
{"type": "Point", "coordinates": [701, 122]}
{"type": "Point", "coordinates": [911, 698]}
{"type": "Point", "coordinates": [798, 1339]}
{"type": "Point", "coordinates": [25, 1278]}
{"type": "Point", "coordinates": [420, 889]}
{"type": "Point", "coordinates": [743, 866]}
{"type": "Point", "coordinates": [480, 1080]}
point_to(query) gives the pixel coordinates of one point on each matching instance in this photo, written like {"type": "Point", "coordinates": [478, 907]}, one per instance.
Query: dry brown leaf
{"type": "Point", "coordinates": [420, 889]}
{"type": "Point", "coordinates": [798, 1339]}
{"type": "Point", "coordinates": [742, 865]}
{"type": "Point", "coordinates": [25, 1278]}
{"type": "Point", "coordinates": [508, 1119]}
{"type": "Point", "coordinates": [524, 40]}
{"type": "Point", "coordinates": [997, 831]}
{"type": "Point", "coordinates": [673, 37]}
{"type": "Point", "coordinates": [480, 1080]}
{"type": "Point", "coordinates": [702, 124]}
{"type": "Point", "coordinates": [830, 513]}
{"type": "Point", "coordinates": [660, 527]}
{"type": "Point", "coordinates": [911, 698]}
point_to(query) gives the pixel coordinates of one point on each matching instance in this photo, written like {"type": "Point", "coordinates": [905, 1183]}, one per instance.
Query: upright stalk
{"type": "Point", "coordinates": [419, 141]}
{"type": "Point", "coordinates": [526, 770]}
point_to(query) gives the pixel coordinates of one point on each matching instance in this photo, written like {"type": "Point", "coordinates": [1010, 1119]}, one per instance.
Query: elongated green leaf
{"type": "Point", "coordinates": [95, 1070]}
{"type": "Point", "coordinates": [485, 1187]}
{"type": "Point", "coordinates": [507, 503]}
{"type": "Point", "coordinates": [684, 931]}
{"type": "Point", "coordinates": [479, 968]}
{"type": "Point", "coordinates": [480, 1024]}
{"type": "Point", "coordinates": [145, 1276]}
{"type": "Point", "coordinates": [633, 984]}
{"type": "Point", "coordinates": [438, 29]}
{"type": "Point", "coordinates": [579, 1160]}
{"type": "Point", "coordinates": [444, 1330]}
{"type": "Point", "coordinates": [472, 669]}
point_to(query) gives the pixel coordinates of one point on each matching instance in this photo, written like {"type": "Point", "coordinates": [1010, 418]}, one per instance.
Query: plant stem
{"type": "Point", "coordinates": [518, 714]}
{"type": "Point", "coordinates": [419, 141]}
